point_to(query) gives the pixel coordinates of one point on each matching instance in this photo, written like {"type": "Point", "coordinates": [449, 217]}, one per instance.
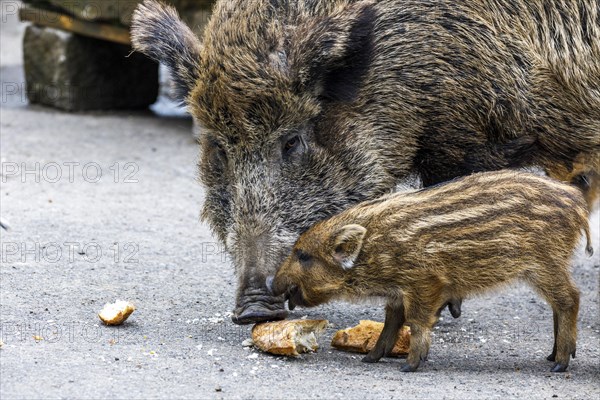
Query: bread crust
{"type": "Point", "coordinates": [362, 338]}
{"type": "Point", "coordinates": [288, 338]}
{"type": "Point", "coordinates": [116, 313]}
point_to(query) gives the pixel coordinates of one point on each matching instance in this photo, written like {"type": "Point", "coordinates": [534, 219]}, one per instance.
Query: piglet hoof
{"type": "Point", "coordinates": [558, 367]}
{"type": "Point", "coordinates": [409, 368]}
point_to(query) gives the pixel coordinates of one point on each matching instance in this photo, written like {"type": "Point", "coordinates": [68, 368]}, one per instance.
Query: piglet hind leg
{"type": "Point", "coordinates": [566, 338]}
{"type": "Point", "coordinates": [420, 341]}
{"type": "Point", "coordinates": [394, 319]}
{"type": "Point", "coordinates": [563, 296]}
{"type": "Point", "coordinates": [421, 317]}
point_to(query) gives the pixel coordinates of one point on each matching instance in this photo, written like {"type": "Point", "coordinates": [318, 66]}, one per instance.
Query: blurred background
{"type": "Point", "coordinates": [76, 55]}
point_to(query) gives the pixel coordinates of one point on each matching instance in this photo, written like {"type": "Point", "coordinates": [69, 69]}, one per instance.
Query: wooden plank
{"type": "Point", "coordinates": [69, 23]}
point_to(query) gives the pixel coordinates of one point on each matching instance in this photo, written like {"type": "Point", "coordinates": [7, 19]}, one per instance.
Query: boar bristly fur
{"type": "Point", "coordinates": [425, 249]}
{"type": "Point", "coordinates": [308, 107]}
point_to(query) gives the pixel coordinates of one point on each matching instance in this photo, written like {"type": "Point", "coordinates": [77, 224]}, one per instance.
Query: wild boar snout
{"type": "Point", "coordinates": [269, 283]}
{"type": "Point", "coordinates": [256, 257]}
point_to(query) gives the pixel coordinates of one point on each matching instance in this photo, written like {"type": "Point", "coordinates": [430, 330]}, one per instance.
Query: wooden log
{"type": "Point", "coordinates": [69, 23]}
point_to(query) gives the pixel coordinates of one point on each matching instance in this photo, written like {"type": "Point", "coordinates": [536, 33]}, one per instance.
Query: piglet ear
{"type": "Point", "coordinates": [330, 55]}
{"type": "Point", "coordinates": [347, 243]}
{"type": "Point", "coordinates": [158, 32]}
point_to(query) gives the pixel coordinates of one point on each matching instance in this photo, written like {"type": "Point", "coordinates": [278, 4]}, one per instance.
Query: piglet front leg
{"type": "Point", "coordinates": [394, 319]}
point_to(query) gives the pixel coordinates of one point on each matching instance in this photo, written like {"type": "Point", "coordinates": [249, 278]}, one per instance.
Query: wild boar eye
{"type": "Point", "coordinates": [291, 144]}
{"type": "Point", "coordinates": [293, 147]}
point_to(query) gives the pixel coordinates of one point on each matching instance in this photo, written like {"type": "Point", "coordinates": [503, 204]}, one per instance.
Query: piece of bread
{"type": "Point", "coordinates": [362, 338]}
{"type": "Point", "coordinates": [288, 338]}
{"type": "Point", "coordinates": [116, 313]}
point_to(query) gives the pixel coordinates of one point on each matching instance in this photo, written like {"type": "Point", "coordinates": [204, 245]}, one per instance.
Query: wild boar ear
{"type": "Point", "coordinates": [158, 32]}
{"type": "Point", "coordinates": [330, 55]}
{"type": "Point", "coordinates": [347, 243]}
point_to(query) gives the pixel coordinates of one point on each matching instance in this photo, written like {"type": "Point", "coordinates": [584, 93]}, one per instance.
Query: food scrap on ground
{"type": "Point", "coordinates": [362, 338]}
{"type": "Point", "coordinates": [288, 338]}
{"type": "Point", "coordinates": [116, 313]}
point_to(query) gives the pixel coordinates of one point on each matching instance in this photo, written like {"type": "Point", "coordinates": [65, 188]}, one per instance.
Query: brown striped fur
{"type": "Point", "coordinates": [424, 249]}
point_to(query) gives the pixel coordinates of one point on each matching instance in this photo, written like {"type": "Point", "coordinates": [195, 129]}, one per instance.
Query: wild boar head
{"type": "Point", "coordinates": [274, 85]}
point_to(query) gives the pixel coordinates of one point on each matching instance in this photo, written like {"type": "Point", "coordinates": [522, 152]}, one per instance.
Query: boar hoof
{"type": "Point", "coordinates": [408, 368]}
{"type": "Point", "coordinates": [551, 357]}
{"type": "Point", "coordinates": [558, 367]}
{"type": "Point", "coordinates": [369, 359]}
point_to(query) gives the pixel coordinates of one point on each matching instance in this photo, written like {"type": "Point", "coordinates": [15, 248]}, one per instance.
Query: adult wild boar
{"type": "Point", "coordinates": [310, 106]}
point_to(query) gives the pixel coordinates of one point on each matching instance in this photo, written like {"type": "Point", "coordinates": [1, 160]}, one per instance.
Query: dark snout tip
{"type": "Point", "coordinates": [269, 283]}
{"type": "Point", "coordinates": [254, 315]}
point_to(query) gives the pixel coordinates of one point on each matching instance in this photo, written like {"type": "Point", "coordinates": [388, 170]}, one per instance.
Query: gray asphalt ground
{"type": "Point", "coordinates": [85, 240]}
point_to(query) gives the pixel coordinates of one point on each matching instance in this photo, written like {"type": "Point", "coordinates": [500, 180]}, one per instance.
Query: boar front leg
{"type": "Point", "coordinates": [394, 319]}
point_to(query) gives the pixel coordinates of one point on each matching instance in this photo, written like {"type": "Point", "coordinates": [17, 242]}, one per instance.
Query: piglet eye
{"type": "Point", "coordinates": [303, 257]}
